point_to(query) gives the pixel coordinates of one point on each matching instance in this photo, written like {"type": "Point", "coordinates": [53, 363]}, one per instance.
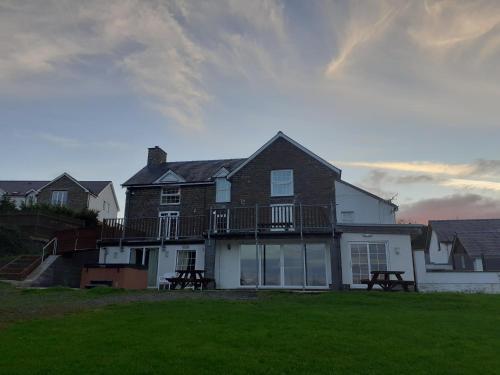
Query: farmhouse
{"type": "Point", "coordinates": [281, 218]}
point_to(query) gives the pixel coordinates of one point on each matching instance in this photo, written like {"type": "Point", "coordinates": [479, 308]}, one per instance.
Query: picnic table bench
{"type": "Point", "coordinates": [194, 278]}
{"type": "Point", "coordinates": [385, 282]}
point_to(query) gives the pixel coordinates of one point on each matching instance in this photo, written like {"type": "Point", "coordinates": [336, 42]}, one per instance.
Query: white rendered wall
{"type": "Point", "coordinates": [227, 262]}
{"type": "Point", "coordinates": [453, 281]}
{"type": "Point", "coordinates": [398, 252]}
{"type": "Point", "coordinates": [439, 253]}
{"type": "Point", "coordinates": [96, 203]}
{"type": "Point", "coordinates": [367, 209]}
{"type": "Point", "coordinates": [168, 255]}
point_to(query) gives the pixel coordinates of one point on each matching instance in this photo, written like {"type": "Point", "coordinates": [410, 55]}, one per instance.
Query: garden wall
{"type": "Point", "coordinates": [453, 281]}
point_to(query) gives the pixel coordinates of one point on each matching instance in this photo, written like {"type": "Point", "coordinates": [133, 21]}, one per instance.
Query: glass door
{"type": "Point", "coordinates": [152, 264]}
{"type": "Point", "coordinates": [365, 258]}
{"type": "Point", "coordinates": [293, 265]}
{"type": "Point", "coordinates": [271, 265]}
{"type": "Point", "coordinates": [169, 224]}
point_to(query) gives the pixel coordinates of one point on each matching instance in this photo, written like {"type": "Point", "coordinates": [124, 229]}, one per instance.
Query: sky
{"type": "Point", "coordinates": [403, 96]}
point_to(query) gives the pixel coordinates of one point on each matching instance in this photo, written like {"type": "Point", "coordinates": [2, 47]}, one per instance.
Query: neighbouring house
{"type": "Point", "coordinates": [460, 255]}
{"type": "Point", "coordinates": [442, 234]}
{"type": "Point", "coordinates": [281, 218]}
{"type": "Point", "coordinates": [66, 191]}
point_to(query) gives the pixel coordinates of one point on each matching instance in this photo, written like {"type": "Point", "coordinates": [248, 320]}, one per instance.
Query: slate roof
{"type": "Point", "coordinates": [190, 171]}
{"type": "Point", "coordinates": [476, 244]}
{"type": "Point", "coordinates": [447, 229]}
{"type": "Point", "coordinates": [20, 188]}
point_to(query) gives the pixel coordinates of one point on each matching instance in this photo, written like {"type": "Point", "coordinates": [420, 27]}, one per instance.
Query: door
{"type": "Point", "coordinates": [152, 264]}
{"type": "Point", "coordinates": [365, 258]}
{"type": "Point", "coordinates": [169, 224]}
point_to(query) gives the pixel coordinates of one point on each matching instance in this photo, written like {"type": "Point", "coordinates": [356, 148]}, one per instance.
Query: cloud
{"type": "Point", "coordinates": [365, 25]}
{"type": "Point", "coordinates": [414, 179]}
{"type": "Point", "coordinates": [457, 206]}
{"type": "Point", "coordinates": [472, 184]}
{"type": "Point", "coordinates": [417, 166]}
{"type": "Point", "coordinates": [156, 46]}
{"type": "Point", "coordinates": [73, 143]}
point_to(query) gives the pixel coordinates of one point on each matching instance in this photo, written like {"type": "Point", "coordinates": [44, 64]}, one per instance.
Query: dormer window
{"type": "Point", "coordinates": [282, 183]}
{"type": "Point", "coordinates": [170, 195]}
{"type": "Point", "coordinates": [222, 190]}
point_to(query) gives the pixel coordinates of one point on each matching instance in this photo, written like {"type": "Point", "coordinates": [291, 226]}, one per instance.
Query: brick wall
{"type": "Point", "coordinates": [313, 184]}
{"type": "Point", "coordinates": [77, 197]}
{"type": "Point", "coordinates": [313, 181]}
{"type": "Point", "coordinates": [145, 201]}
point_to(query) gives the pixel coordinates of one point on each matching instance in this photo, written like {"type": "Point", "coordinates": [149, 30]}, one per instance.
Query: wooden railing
{"type": "Point", "coordinates": [219, 221]}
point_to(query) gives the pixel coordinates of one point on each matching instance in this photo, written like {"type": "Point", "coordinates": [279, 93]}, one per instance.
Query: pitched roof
{"type": "Point", "coordinates": [190, 171]}
{"type": "Point", "coordinates": [21, 188]}
{"type": "Point", "coordinates": [447, 229]}
{"type": "Point", "coordinates": [476, 244]}
{"type": "Point", "coordinates": [280, 134]}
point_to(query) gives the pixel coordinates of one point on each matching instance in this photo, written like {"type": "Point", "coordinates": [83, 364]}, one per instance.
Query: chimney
{"type": "Point", "coordinates": [156, 156]}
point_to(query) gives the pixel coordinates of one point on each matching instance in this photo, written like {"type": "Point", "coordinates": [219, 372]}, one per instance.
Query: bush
{"type": "Point", "coordinates": [6, 205]}
{"type": "Point", "coordinates": [15, 242]}
{"type": "Point", "coordinates": [88, 216]}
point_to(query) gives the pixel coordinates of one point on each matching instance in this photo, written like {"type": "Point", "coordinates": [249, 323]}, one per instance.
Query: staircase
{"type": "Point", "coordinates": [20, 267]}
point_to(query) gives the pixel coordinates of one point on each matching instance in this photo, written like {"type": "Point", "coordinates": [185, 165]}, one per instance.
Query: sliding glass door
{"type": "Point", "coordinates": [283, 266]}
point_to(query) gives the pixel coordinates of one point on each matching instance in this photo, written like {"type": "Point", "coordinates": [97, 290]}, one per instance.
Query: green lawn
{"type": "Point", "coordinates": [351, 332]}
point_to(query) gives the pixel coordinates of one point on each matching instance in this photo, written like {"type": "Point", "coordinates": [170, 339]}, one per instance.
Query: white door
{"type": "Point", "coordinates": [169, 224]}
{"type": "Point", "coordinates": [365, 258]}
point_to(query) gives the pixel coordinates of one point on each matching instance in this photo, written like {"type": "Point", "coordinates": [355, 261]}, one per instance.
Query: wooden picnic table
{"type": "Point", "coordinates": [385, 282]}
{"type": "Point", "coordinates": [185, 278]}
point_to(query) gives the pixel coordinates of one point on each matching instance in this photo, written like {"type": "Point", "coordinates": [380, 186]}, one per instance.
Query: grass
{"type": "Point", "coordinates": [277, 333]}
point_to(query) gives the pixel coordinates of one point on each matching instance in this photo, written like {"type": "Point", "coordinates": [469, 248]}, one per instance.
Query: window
{"type": "Point", "coordinates": [347, 216]}
{"type": "Point", "coordinates": [222, 190]}
{"type": "Point", "coordinates": [169, 224]}
{"type": "Point", "coordinates": [282, 183]}
{"type": "Point", "coordinates": [171, 195]}
{"type": "Point", "coordinates": [365, 258]}
{"type": "Point", "coordinates": [186, 260]}
{"type": "Point", "coordinates": [59, 198]}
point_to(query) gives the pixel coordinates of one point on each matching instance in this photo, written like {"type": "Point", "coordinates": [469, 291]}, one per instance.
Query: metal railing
{"type": "Point", "coordinates": [169, 228]}
{"type": "Point", "coordinates": [289, 218]}
{"type": "Point", "coordinates": [272, 218]}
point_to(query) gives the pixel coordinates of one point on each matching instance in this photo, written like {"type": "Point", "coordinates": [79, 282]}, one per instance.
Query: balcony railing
{"type": "Point", "coordinates": [222, 221]}
{"type": "Point", "coordinates": [168, 228]}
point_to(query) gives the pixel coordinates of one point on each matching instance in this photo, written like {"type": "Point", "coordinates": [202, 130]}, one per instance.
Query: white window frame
{"type": "Point", "coordinates": [368, 243]}
{"type": "Point", "coordinates": [222, 190]}
{"type": "Point", "coordinates": [59, 198]}
{"type": "Point", "coordinates": [167, 219]}
{"type": "Point", "coordinates": [164, 194]}
{"type": "Point", "coordinates": [177, 258]}
{"type": "Point", "coordinates": [274, 175]}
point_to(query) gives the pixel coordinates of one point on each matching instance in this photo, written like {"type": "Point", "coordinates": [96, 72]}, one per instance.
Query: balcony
{"type": "Point", "coordinates": [273, 219]}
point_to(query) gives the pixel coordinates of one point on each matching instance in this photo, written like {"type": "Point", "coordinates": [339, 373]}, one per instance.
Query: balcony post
{"type": "Point", "coordinates": [301, 213]}
{"type": "Point", "coordinates": [209, 221]}
{"type": "Point", "coordinates": [256, 246]}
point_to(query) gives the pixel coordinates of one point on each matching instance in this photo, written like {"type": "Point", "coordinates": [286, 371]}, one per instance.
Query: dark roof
{"type": "Point", "coordinates": [481, 243]}
{"type": "Point", "coordinates": [20, 188]}
{"type": "Point", "coordinates": [95, 187]}
{"type": "Point", "coordinates": [190, 171]}
{"type": "Point", "coordinates": [447, 229]}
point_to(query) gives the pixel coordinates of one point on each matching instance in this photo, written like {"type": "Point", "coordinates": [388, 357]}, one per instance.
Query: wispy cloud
{"type": "Point", "coordinates": [472, 184]}
{"type": "Point", "coordinates": [417, 166]}
{"type": "Point", "coordinates": [73, 143]}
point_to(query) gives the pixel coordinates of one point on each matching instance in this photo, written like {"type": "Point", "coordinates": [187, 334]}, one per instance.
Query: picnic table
{"type": "Point", "coordinates": [385, 282]}
{"type": "Point", "coordinates": [194, 278]}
